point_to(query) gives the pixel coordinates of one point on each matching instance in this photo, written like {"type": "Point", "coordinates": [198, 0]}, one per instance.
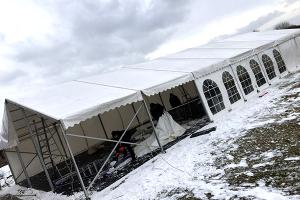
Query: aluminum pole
{"type": "Point", "coordinates": [74, 162]}
{"type": "Point", "coordinates": [152, 123]}
{"type": "Point", "coordinates": [111, 153]}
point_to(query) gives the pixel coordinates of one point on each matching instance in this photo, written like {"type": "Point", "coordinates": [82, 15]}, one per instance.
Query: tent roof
{"type": "Point", "coordinates": [78, 100]}
{"type": "Point", "coordinates": [207, 58]}
{"type": "Point", "coordinates": [150, 82]}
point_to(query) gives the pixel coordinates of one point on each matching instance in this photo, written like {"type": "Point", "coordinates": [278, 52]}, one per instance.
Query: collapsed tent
{"type": "Point", "coordinates": [47, 132]}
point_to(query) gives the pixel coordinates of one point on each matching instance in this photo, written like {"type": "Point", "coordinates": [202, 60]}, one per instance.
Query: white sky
{"type": "Point", "coordinates": [45, 42]}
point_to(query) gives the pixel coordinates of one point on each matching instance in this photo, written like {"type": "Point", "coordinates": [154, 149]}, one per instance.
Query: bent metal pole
{"type": "Point", "coordinates": [116, 145]}
{"type": "Point", "coordinates": [73, 159]}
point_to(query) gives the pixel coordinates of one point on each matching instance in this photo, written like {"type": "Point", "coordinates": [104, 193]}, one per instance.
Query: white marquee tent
{"type": "Point", "coordinates": [223, 71]}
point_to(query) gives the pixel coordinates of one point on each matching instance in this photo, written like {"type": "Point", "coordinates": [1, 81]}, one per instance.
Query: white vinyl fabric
{"type": "Point", "coordinates": [211, 57]}
{"type": "Point", "coordinates": [8, 136]}
{"type": "Point", "coordinates": [166, 129]}
{"type": "Point", "coordinates": [79, 100]}
{"type": "Point", "coordinates": [150, 82]}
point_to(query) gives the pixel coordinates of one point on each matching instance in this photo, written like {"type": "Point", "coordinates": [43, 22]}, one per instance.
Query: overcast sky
{"type": "Point", "coordinates": [44, 42]}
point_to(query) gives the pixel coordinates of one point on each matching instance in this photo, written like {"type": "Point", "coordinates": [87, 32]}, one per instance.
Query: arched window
{"type": "Point", "coordinates": [230, 86]}
{"type": "Point", "coordinates": [260, 79]}
{"type": "Point", "coordinates": [244, 79]}
{"type": "Point", "coordinates": [279, 61]}
{"type": "Point", "coordinates": [269, 66]}
{"type": "Point", "coordinates": [213, 96]}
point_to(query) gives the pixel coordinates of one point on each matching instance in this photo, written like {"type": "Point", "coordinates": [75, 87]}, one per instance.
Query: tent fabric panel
{"type": "Point", "coordinates": [92, 128]}
{"type": "Point", "coordinates": [170, 84]}
{"type": "Point", "coordinates": [100, 108]}
{"type": "Point", "coordinates": [290, 52]}
{"type": "Point", "coordinates": [27, 146]}
{"type": "Point", "coordinates": [269, 52]}
{"type": "Point", "coordinates": [73, 102]}
{"type": "Point", "coordinates": [207, 53]}
{"type": "Point", "coordinates": [142, 115]}
{"type": "Point", "coordinates": [78, 145]}
{"type": "Point", "coordinates": [8, 136]}
{"type": "Point", "coordinates": [233, 44]}
{"type": "Point", "coordinates": [245, 63]}
{"type": "Point", "coordinates": [127, 113]}
{"type": "Point", "coordinates": [112, 122]}
{"type": "Point", "coordinates": [150, 81]}
{"type": "Point", "coordinates": [175, 64]}
{"type": "Point", "coordinates": [15, 164]}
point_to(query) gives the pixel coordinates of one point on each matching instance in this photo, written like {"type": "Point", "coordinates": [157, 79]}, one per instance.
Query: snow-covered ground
{"type": "Point", "coordinates": [217, 165]}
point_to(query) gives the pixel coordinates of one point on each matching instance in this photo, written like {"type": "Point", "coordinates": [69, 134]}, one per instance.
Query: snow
{"type": "Point", "coordinates": [292, 158]}
{"type": "Point", "coordinates": [262, 164]}
{"type": "Point", "coordinates": [243, 163]}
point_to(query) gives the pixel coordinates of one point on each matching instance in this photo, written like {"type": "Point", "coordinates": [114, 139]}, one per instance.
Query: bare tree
{"type": "Point", "coordinates": [282, 25]}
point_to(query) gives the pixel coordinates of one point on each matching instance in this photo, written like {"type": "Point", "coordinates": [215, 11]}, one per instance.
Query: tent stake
{"type": "Point", "coordinates": [152, 123]}
{"type": "Point", "coordinates": [38, 152]}
{"type": "Point", "coordinates": [74, 162]}
{"type": "Point", "coordinates": [23, 166]}
{"type": "Point", "coordinates": [113, 150]}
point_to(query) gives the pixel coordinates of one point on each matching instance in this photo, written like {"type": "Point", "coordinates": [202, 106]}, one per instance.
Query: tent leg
{"type": "Point", "coordinates": [113, 150]}
{"type": "Point", "coordinates": [75, 164]}
{"type": "Point", "coordinates": [153, 126]}
{"type": "Point", "coordinates": [38, 151]}
{"type": "Point", "coordinates": [61, 142]}
{"type": "Point", "coordinates": [23, 166]}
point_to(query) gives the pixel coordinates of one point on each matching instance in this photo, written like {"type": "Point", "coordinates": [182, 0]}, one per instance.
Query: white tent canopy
{"type": "Point", "coordinates": [75, 101]}
{"type": "Point", "coordinates": [78, 100]}
{"type": "Point", "coordinates": [150, 82]}
{"type": "Point", "coordinates": [205, 59]}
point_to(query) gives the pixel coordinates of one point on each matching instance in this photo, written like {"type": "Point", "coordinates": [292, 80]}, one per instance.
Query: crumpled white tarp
{"type": "Point", "coordinates": [167, 130]}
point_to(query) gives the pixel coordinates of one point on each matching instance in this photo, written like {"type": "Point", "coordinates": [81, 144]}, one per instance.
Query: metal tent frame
{"type": "Point", "coordinates": [38, 154]}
